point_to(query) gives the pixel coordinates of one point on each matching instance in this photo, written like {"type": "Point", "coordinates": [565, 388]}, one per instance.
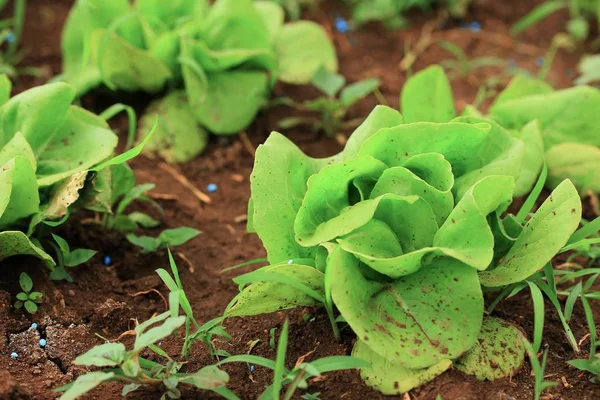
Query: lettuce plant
{"type": "Point", "coordinates": [50, 153]}
{"type": "Point", "coordinates": [400, 232]}
{"type": "Point", "coordinates": [560, 128]}
{"type": "Point", "coordinates": [225, 56]}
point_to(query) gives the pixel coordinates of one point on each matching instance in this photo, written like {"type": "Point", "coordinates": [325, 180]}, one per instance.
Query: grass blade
{"type": "Point", "coordinates": [535, 16]}
{"type": "Point", "coordinates": [533, 196]}
{"type": "Point", "coordinates": [280, 369]}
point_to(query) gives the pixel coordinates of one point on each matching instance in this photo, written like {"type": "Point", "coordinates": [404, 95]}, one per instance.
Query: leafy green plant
{"type": "Point", "coordinates": [50, 153]}
{"type": "Point", "coordinates": [27, 299]}
{"type": "Point", "coordinates": [400, 232]}
{"type": "Point", "coordinates": [390, 12]}
{"type": "Point", "coordinates": [334, 106]}
{"type": "Point", "coordinates": [297, 378]}
{"type": "Point", "coordinates": [567, 135]}
{"type": "Point", "coordinates": [167, 238]}
{"type": "Point", "coordinates": [226, 57]}
{"type": "Point", "coordinates": [591, 365]}
{"type": "Point", "coordinates": [65, 257]}
{"type": "Point", "coordinates": [577, 26]}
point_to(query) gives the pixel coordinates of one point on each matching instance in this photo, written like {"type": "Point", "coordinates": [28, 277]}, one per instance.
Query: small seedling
{"type": "Point", "coordinates": [124, 193]}
{"type": "Point", "coordinates": [65, 257]}
{"type": "Point", "coordinates": [591, 365]}
{"type": "Point", "coordinates": [167, 238]}
{"type": "Point", "coordinates": [538, 368]}
{"type": "Point", "coordinates": [311, 396]}
{"type": "Point", "coordinates": [27, 299]}
{"type": "Point", "coordinates": [204, 333]}
{"type": "Point", "coordinates": [333, 107]}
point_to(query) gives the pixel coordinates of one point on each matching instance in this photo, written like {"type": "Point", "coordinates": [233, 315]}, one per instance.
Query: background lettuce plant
{"type": "Point", "coordinates": [400, 232]}
{"type": "Point", "coordinates": [50, 153]}
{"type": "Point", "coordinates": [226, 57]}
{"type": "Point", "coordinates": [560, 128]}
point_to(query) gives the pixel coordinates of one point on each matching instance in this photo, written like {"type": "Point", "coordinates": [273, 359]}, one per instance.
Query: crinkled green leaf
{"type": "Point", "coordinates": [51, 104]}
{"type": "Point", "coordinates": [208, 378]}
{"type": "Point", "coordinates": [544, 235]}
{"type": "Point", "coordinates": [126, 66]}
{"type": "Point", "coordinates": [427, 97]}
{"type": "Point", "coordinates": [266, 297]}
{"type": "Point", "coordinates": [178, 137]}
{"type": "Point", "coordinates": [19, 197]}
{"type": "Point", "coordinates": [578, 162]}
{"type": "Point", "coordinates": [392, 378]}
{"type": "Point", "coordinates": [417, 320]}
{"type": "Point", "coordinates": [278, 184]}
{"type": "Point", "coordinates": [302, 48]}
{"type": "Point", "coordinates": [498, 353]}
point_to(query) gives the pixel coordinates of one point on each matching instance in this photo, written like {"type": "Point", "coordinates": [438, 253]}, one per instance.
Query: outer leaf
{"type": "Point", "coordinates": [521, 86]}
{"type": "Point", "coordinates": [498, 153]}
{"type": "Point", "coordinates": [62, 197]}
{"type": "Point", "coordinates": [226, 102]}
{"type": "Point", "coordinates": [418, 320]}
{"type": "Point", "coordinates": [544, 235]}
{"type": "Point", "coordinates": [267, 297]}
{"type": "Point", "coordinates": [85, 383]}
{"type": "Point", "coordinates": [358, 90]}
{"type": "Point", "coordinates": [392, 378]}
{"type": "Point", "coordinates": [302, 48]}
{"type": "Point", "coordinates": [534, 158]}
{"type": "Point", "coordinates": [14, 243]}
{"type": "Point", "coordinates": [177, 236]}
{"type": "Point", "coordinates": [578, 162]}
{"type": "Point", "coordinates": [51, 103]}
{"type": "Point", "coordinates": [178, 137]}
{"type": "Point", "coordinates": [278, 184]}
{"type": "Point", "coordinates": [105, 355]}
{"type": "Point", "coordinates": [126, 66]}
{"type": "Point", "coordinates": [273, 16]}
{"type": "Point", "coordinates": [427, 97]}
{"type": "Point", "coordinates": [498, 352]}
{"type": "Point", "coordinates": [565, 116]}
{"type": "Point", "coordinates": [5, 89]}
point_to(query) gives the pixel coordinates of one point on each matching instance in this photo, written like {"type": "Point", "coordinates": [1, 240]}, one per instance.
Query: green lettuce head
{"type": "Point", "coordinates": [227, 55]}
{"type": "Point", "coordinates": [399, 232]}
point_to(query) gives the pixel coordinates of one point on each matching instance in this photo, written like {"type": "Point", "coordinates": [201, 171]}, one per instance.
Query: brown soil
{"type": "Point", "coordinates": [104, 300]}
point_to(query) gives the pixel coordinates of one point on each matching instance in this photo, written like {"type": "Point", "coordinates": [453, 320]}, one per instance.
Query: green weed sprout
{"type": "Point", "coordinates": [167, 238]}
{"type": "Point", "coordinates": [65, 257]}
{"type": "Point", "coordinates": [539, 369]}
{"type": "Point", "coordinates": [27, 299]}
{"type": "Point", "coordinates": [333, 107]}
